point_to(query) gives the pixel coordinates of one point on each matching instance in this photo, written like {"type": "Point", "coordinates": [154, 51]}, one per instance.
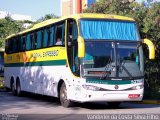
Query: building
{"type": "Point", "coordinates": [69, 7]}
{"type": "Point", "coordinates": [20, 17]}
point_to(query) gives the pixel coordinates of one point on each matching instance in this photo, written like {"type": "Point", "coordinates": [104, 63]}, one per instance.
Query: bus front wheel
{"type": "Point", "coordinates": [63, 97]}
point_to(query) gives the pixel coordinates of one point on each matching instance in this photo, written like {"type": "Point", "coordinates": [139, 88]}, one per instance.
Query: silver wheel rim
{"type": "Point", "coordinates": [64, 95]}
{"type": "Point", "coordinates": [13, 88]}
{"type": "Point", "coordinates": [18, 89]}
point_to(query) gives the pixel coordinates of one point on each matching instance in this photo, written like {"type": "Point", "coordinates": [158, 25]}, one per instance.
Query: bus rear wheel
{"type": "Point", "coordinates": [13, 88]}
{"type": "Point", "coordinates": [18, 89]}
{"type": "Point", "coordinates": [63, 97]}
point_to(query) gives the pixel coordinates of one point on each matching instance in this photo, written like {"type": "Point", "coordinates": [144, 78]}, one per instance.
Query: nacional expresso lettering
{"type": "Point", "coordinates": [45, 54]}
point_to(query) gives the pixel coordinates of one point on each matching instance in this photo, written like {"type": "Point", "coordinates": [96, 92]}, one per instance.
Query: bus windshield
{"type": "Point", "coordinates": [108, 30]}
{"type": "Point", "coordinates": [113, 60]}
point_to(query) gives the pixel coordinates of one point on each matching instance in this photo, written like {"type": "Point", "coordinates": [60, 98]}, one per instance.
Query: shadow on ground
{"type": "Point", "coordinates": [28, 100]}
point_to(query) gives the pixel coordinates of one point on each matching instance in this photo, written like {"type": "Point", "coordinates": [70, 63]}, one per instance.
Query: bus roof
{"type": "Point", "coordinates": [76, 17]}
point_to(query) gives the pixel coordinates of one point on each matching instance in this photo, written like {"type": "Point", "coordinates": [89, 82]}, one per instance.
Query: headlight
{"type": "Point", "coordinates": [137, 87]}
{"type": "Point", "coordinates": [91, 87]}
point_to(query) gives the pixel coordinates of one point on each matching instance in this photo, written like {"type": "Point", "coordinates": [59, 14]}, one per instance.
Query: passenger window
{"type": "Point", "coordinates": [17, 42]}
{"type": "Point", "coordinates": [33, 39]}
{"type": "Point", "coordinates": [42, 38]}
{"type": "Point", "coordinates": [60, 34]}
{"type": "Point", "coordinates": [51, 36]}
{"type": "Point", "coordinates": [28, 43]}
{"type": "Point", "coordinates": [14, 45]}
{"type": "Point", "coordinates": [45, 40]}
{"type": "Point", "coordinates": [6, 46]}
{"type": "Point", "coordinates": [39, 39]}
{"type": "Point", "coordinates": [23, 43]}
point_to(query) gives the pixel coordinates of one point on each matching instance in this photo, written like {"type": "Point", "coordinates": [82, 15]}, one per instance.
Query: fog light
{"type": "Point", "coordinates": [137, 87]}
{"type": "Point", "coordinates": [91, 87]}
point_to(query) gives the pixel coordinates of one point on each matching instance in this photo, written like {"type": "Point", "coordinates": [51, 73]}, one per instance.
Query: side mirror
{"type": "Point", "coordinates": [81, 47]}
{"type": "Point", "coordinates": [151, 48]}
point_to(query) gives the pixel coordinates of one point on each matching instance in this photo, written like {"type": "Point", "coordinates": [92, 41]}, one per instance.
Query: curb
{"type": "Point", "coordinates": [149, 102]}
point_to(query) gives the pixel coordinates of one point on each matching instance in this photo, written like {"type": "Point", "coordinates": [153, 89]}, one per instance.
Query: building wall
{"type": "Point", "coordinates": [66, 7]}
{"type": "Point", "coordinates": [69, 7]}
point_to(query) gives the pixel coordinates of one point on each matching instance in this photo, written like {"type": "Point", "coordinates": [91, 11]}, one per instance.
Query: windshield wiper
{"type": "Point", "coordinates": [105, 69]}
{"type": "Point", "coordinates": [125, 69]}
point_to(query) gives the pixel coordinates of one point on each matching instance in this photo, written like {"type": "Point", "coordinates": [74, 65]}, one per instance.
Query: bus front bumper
{"type": "Point", "coordinates": [108, 96]}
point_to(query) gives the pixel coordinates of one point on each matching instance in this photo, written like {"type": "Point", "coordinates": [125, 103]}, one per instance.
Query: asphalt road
{"type": "Point", "coordinates": [47, 108]}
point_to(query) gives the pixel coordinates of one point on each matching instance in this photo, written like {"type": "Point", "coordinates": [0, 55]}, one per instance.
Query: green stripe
{"type": "Point", "coordinates": [111, 82]}
{"type": "Point", "coordinates": [39, 63]}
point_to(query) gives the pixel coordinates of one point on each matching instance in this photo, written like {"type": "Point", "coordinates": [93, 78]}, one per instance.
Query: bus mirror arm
{"type": "Point", "coordinates": [151, 48]}
{"type": "Point", "coordinates": [81, 47]}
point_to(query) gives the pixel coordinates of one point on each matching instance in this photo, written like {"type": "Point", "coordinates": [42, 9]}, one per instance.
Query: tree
{"type": "Point", "coordinates": [8, 27]}
{"type": "Point", "coordinates": [46, 17]}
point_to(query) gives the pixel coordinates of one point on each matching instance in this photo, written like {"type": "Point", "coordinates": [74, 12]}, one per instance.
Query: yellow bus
{"type": "Point", "coordinates": [1, 62]}
{"type": "Point", "coordinates": [80, 58]}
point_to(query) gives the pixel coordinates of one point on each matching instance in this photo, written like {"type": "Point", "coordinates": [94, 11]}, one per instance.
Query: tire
{"type": "Point", "coordinates": [13, 89]}
{"type": "Point", "coordinates": [63, 97]}
{"type": "Point", "coordinates": [18, 89]}
{"type": "Point", "coordinates": [114, 104]}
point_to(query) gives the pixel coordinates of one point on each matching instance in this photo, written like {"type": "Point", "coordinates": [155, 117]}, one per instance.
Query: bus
{"type": "Point", "coordinates": [99, 59]}
{"type": "Point", "coordinates": [1, 62]}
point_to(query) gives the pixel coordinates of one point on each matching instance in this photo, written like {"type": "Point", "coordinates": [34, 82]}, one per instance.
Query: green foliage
{"type": "Point", "coordinates": [147, 15]}
{"type": "Point", "coordinates": [8, 27]}
{"type": "Point", "coordinates": [46, 17]}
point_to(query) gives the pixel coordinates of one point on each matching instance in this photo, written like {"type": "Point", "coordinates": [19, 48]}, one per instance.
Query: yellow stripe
{"type": "Point", "coordinates": [47, 54]}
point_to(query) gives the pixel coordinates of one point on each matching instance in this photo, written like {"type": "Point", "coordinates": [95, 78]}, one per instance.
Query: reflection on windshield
{"type": "Point", "coordinates": [112, 59]}
{"type": "Point", "coordinates": [98, 54]}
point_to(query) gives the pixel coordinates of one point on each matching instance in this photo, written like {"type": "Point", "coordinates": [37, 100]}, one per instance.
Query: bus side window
{"type": "Point", "coordinates": [42, 38]}
{"type": "Point", "coordinates": [14, 45]}
{"type": "Point", "coordinates": [39, 39]}
{"type": "Point", "coordinates": [72, 32]}
{"type": "Point", "coordinates": [23, 43]}
{"type": "Point", "coordinates": [45, 40]}
{"type": "Point", "coordinates": [7, 46]}
{"type": "Point", "coordinates": [51, 36]}
{"type": "Point", "coordinates": [17, 42]}
{"type": "Point", "coordinates": [28, 43]}
{"type": "Point", "coordinates": [10, 45]}
{"type": "Point", "coordinates": [33, 39]}
{"type": "Point", "coordinates": [60, 34]}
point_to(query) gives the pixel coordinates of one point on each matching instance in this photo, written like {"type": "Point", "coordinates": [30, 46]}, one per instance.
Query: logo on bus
{"type": "Point", "coordinates": [116, 87]}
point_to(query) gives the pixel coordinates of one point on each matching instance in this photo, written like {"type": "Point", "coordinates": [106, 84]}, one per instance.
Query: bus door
{"type": "Point", "coordinates": [72, 47]}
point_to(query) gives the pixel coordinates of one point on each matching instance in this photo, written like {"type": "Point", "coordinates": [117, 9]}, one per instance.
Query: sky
{"type": "Point", "coordinates": [34, 8]}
